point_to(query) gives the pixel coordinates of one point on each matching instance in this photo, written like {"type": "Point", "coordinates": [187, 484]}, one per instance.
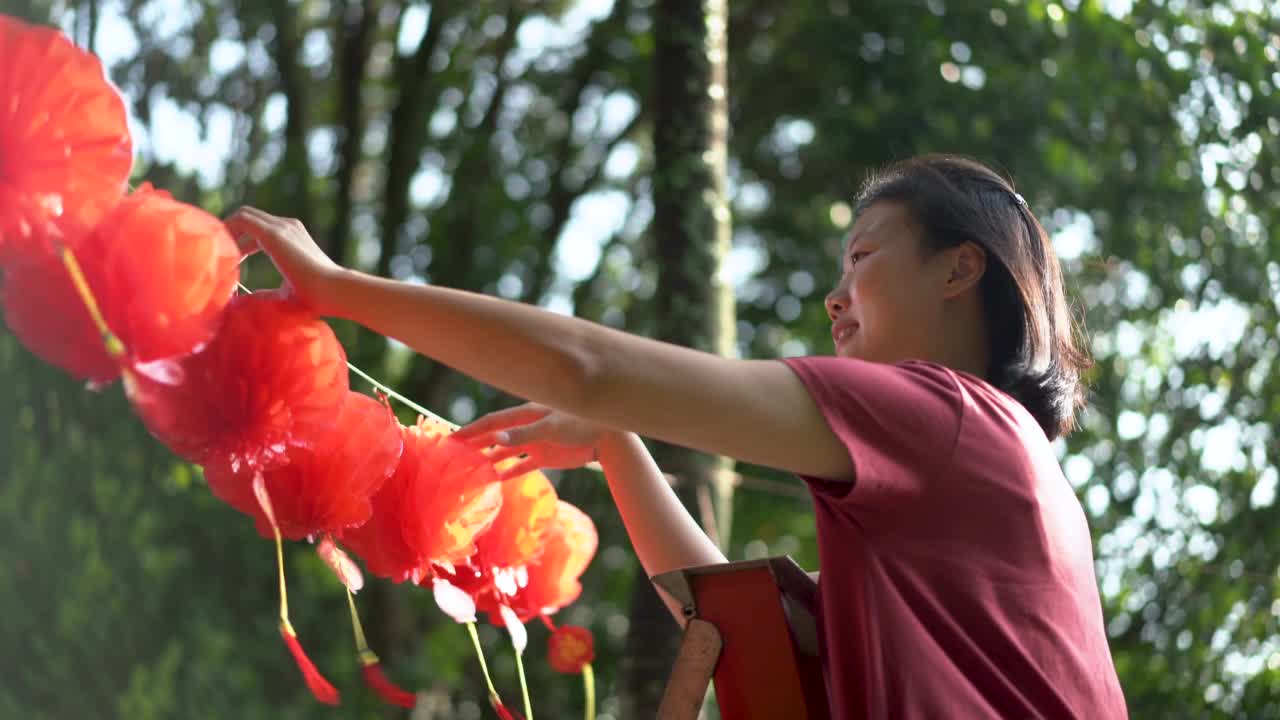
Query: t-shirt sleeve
{"type": "Point", "coordinates": [900, 424]}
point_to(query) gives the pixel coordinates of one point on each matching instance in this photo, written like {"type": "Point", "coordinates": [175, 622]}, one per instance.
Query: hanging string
{"type": "Point", "coordinates": [494, 699]}
{"type": "Point", "coordinates": [115, 348]}
{"type": "Point", "coordinates": [362, 645]}
{"type": "Point", "coordinates": [524, 686]}
{"type": "Point", "coordinates": [320, 687]}
{"type": "Point", "coordinates": [371, 666]}
{"type": "Point", "coordinates": [407, 402]}
{"type": "Point", "coordinates": [589, 686]}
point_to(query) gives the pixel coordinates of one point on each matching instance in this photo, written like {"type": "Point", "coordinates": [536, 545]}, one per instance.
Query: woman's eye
{"type": "Point", "coordinates": [855, 257]}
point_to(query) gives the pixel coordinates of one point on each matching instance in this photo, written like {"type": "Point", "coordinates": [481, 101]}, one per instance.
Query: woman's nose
{"type": "Point", "coordinates": [836, 303]}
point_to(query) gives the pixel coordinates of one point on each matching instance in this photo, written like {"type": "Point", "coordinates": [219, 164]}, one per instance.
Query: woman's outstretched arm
{"type": "Point", "coordinates": [756, 411]}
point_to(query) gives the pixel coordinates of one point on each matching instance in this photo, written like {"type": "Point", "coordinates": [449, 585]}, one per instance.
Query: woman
{"type": "Point", "coordinates": [957, 571]}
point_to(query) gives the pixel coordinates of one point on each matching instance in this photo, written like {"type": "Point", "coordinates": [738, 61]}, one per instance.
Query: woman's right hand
{"type": "Point", "coordinates": [547, 438]}
{"type": "Point", "coordinates": [308, 272]}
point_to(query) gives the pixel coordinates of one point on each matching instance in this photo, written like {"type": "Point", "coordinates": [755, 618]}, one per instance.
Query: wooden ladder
{"type": "Point", "coordinates": [751, 629]}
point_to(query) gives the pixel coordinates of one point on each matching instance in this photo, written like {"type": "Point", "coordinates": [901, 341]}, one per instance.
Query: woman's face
{"type": "Point", "coordinates": [887, 305]}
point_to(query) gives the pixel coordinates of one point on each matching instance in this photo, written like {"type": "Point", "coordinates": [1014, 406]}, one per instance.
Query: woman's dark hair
{"type": "Point", "coordinates": [1036, 351]}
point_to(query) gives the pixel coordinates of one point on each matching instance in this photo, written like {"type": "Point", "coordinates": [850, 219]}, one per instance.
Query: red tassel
{"type": "Point", "coordinates": [320, 687]}
{"type": "Point", "coordinates": [503, 712]}
{"type": "Point", "coordinates": [387, 690]}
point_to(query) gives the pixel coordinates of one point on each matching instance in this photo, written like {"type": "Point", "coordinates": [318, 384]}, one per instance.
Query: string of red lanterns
{"type": "Point", "coordinates": [105, 283]}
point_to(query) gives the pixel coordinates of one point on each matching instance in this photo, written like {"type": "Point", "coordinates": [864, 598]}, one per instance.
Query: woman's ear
{"type": "Point", "coordinates": [968, 262]}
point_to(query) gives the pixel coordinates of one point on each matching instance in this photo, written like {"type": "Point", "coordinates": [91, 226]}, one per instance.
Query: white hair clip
{"type": "Point", "coordinates": [1021, 200]}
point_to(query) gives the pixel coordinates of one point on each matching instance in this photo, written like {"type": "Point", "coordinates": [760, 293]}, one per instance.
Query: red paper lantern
{"type": "Point", "coordinates": [326, 483]}
{"type": "Point", "coordinates": [380, 542]}
{"type": "Point", "coordinates": [42, 309]}
{"type": "Point", "coordinates": [499, 567]}
{"type": "Point", "coordinates": [553, 580]}
{"type": "Point", "coordinates": [517, 534]}
{"type": "Point", "coordinates": [161, 272]}
{"type": "Point", "coordinates": [65, 150]}
{"type": "Point", "coordinates": [274, 376]}
{"type": "Point", "coordinates": [429, 512]}
{"type": "Point", "coordinates": [459, 502]}
{"type": "Point", "coordinates": [570, 649]}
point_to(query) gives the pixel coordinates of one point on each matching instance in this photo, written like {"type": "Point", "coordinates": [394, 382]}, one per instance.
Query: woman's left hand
{"type": "Point", "coordinates": [548, 438]}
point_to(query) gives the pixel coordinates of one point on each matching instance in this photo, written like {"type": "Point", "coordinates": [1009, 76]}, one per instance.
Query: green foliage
{"type": "Point", "coordinates": [1147, 143]}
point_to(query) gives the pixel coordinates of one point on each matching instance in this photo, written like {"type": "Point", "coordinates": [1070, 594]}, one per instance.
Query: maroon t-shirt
{"type": "Point", "coordinates": [957, 575]}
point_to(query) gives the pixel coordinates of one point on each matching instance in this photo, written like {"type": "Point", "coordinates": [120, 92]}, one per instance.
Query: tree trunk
{"type": "Point", "coordinates": [694, 307]}
{"type": "Point", "coordinates": [293, 182]}
{"type": "Point", "coordinates": [357, 27]}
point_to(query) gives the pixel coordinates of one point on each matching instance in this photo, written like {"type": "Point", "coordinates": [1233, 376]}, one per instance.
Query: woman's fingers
{"type": "Point", "coordinates": [245, 230]}
{"type": "Point", "coordinates": [542, 430]}
{"type": "Point", "coordinates": [264, 217]}
{"type": "Point", "coordinates": [262, 225]}
{"type": "Point", "coordinates": [256, 230]}
{"type": "Point", "coordinates": [523, 467]}
{"type": "Point", "coordinates": [254, 216]}
{"type": "Point", "coordinates": [482, 432]}
{"type": "Point", "coordinates": [499, 454]}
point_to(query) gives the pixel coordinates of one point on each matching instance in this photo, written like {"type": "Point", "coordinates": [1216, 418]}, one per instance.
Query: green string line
{"type": "Point", "coordinates": [589, 685]}
{"type": "Point", "coordinates": [362, 645]}
{"type": "Point", "coordinates": [475, 640]}
{"type": "Point", "coordinates": [524, 686]}
{"type": "Point", "coordinates": [409, 403]}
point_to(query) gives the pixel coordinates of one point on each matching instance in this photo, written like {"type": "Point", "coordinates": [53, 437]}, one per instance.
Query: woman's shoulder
{"type": "Point", "coordinates": [910, 386]}
{"type": "Point", "coordinates": [988, 410]}
{"type": "Point", "coordinates": [921, 387]}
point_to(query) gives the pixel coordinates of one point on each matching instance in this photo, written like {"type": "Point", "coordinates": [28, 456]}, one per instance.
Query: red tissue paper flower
{"type": "Point", "coordinates": [273, 376]}
{"type": "Point", "coordinates": [163, 271]}
{"type": "Point", "coordinates": [517, 534]}
{"type": "Point", "coordinates": [160, 270]}
{"type": "Point", "coordinates": [43, 310]}
{"type": "Point", "coordinates": [499, 567]}
{"type": "Point", "coordinates": [553, 580]}
{"type": "Point", "coordinates": [570, 648]}
{"type": "Point", "coordinates": [429, 512]}
{"type": "Point", "coordinates": [65, 150]}
{"type": "Point", "coordinates": [326, 483]}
